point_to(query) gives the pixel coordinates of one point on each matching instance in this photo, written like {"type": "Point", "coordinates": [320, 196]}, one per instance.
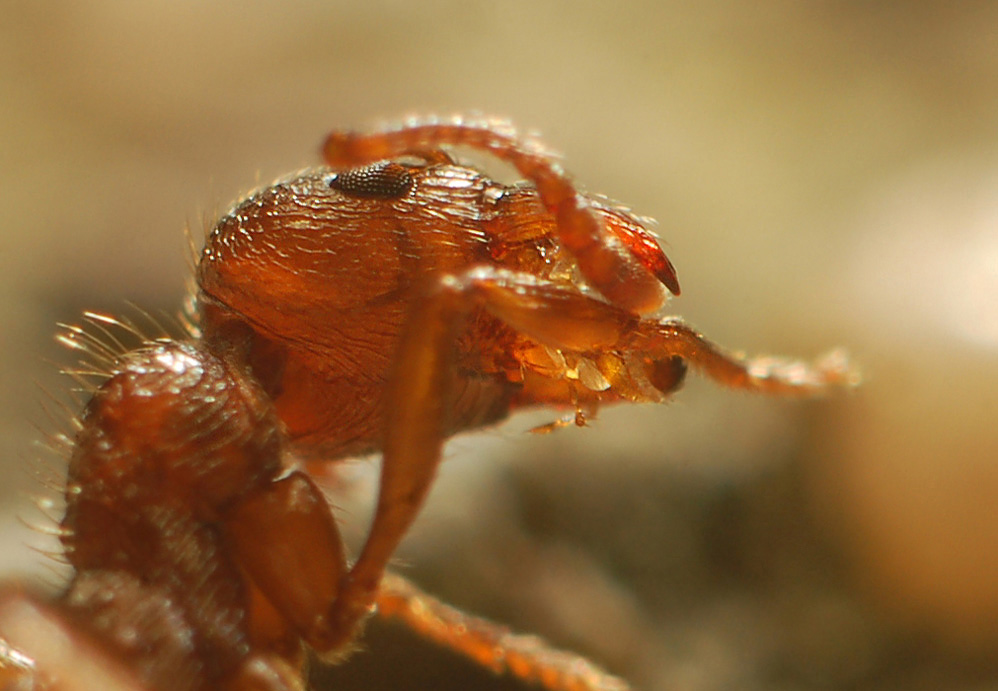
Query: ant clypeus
{"type": "Point", "coordinates": [384, 302]}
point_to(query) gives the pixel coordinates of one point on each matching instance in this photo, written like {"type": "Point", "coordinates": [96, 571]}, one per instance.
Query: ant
{"type": "Point", "coordinates": [382, 302]}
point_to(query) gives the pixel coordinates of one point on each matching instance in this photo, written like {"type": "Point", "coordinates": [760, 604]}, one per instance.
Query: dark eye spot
{"type": "Point", "coordinates": [385, 180]}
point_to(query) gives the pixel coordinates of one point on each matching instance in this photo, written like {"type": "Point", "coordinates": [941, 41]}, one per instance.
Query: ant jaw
{"type": "Point", "coordinates": [639, 242]}
{"type": "Point", "coordinates": [643, 247]}
{"type": "Point", "coordinates": [666, 273]}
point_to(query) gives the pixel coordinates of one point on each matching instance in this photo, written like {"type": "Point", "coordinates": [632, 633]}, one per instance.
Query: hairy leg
{"type": "Point", "coordinates": [556, 316]}
{"type": "Point", "coordinates": [488, 644]}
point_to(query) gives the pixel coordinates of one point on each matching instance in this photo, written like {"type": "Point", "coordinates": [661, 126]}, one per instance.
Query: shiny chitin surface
{"type": "Point", "coordinates": [380, 303]}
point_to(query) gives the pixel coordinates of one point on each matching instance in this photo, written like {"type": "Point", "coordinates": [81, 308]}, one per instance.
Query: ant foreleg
{"type": "Point", "coordinates": [285, 537]}
{"type": "Point", "coordinates": [614, 252]}
{"type": "Point", "coordinates": [771, 375]}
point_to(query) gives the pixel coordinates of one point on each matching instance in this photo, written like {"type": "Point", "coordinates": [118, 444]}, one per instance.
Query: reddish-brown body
{"type": "Point", "coordinates": [326, 323]}
{"type": "Point", "coordinates": [380, 304]}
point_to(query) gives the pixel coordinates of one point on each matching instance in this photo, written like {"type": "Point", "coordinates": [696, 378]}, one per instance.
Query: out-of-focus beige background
{"type": "Point", "coordinates": [824, 173]}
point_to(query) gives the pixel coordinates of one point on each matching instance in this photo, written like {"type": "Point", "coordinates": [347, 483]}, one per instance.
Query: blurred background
{"type": "Point", "coordinates": [824, 174]}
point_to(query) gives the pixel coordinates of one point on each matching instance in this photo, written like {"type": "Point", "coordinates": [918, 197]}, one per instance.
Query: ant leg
{"type": "Point", "coordinates": [555, 316]}
{"type": "Point", "coordinates": [417, 395]}
{"type": "Point", "coordinates": [411, 450]}
{"type": "Point", "coordinates": [488, 644]}
{"type": "Point", "coordinates": [615, 253]}
{"type": "Point", "coordinates": [771, 375]}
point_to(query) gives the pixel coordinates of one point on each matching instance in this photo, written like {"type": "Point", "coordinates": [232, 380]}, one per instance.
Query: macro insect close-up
{"type": "Point", "coordinates": [380, 303]}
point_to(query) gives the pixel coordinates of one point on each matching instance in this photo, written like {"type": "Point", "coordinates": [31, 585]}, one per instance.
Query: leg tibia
{"type": "Point", "coordinates": [420, 392]}
{"type": "Point", "coordinates": [490, 645]}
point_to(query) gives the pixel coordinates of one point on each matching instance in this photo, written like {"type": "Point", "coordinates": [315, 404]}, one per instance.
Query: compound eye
{"type": "Point", "coordinates": [384, 180]}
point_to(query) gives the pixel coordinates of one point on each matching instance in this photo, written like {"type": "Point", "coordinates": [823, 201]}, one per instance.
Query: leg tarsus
{"type": "Point", "coordinates": [771, 375]}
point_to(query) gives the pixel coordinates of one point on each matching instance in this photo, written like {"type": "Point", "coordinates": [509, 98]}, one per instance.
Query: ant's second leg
{"type": "Point", "coordinates": [554, 316]}
{"type": "Point", "coordinates": [416, 408]}
{"type": "Point", "coordinates": [489, 644]}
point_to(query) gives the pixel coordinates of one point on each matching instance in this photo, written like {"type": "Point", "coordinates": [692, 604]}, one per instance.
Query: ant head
{"type": "Point", "coordinates": [306, 247]}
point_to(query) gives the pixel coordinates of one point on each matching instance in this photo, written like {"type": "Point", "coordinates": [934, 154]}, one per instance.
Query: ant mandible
{"type": "Point", "coordinates": [380, 303]}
